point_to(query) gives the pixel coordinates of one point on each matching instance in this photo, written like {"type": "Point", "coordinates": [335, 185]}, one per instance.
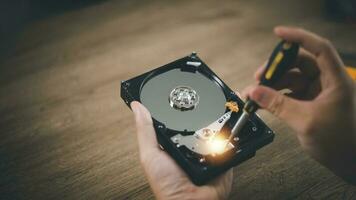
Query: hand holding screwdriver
{"type": "Point", "coordinates": [321, 109]}
{"type": "Point", "coordinates": [281, 59]}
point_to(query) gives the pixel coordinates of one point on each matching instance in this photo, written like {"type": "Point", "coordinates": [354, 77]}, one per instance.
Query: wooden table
{"type": "Point", "coordinates": [66, 133]}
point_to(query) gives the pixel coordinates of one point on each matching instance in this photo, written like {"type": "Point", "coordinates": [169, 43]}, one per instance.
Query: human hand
{"type": "Point", "coordinates": [166, 178]}
{"type": "Point", "coordinates": [322, 105]}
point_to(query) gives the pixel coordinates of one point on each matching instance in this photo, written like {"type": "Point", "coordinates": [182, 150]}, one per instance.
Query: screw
{"type": "Point", "coordinates": [160, 126]}
{"type": "Point", "coordinates": [178, 145]}
{"type": "Point", "coordinates": [254, 129]}
{"type": "Point", "coordinates": [193, 55]}
{"type": "Point", "coordinates": [202, 160]}
{"type": "Point", "coordinates": [175, 140]}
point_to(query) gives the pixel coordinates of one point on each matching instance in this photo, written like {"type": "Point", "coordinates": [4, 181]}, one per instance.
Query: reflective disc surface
{"type": "Point", "coordinates": [155, 95]}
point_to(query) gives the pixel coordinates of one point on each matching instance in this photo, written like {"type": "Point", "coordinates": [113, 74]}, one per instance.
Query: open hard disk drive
{"type": "Point", "coordinates": [193, 112]}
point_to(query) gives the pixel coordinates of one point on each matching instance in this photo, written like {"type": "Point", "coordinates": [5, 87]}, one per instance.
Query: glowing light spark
{"type": "Point", "coordinates": [217, 145]}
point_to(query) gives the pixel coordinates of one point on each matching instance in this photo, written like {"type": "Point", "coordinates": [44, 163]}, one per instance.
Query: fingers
{"type": "Point", "coordinates": [245, 92]}
{"type": "Point", "coordinates": [325, 54]}
{"type": "Point", "coordinates": [310, 41]}
{"type": "Point", "coordinates": [146, 135]}
{"type": "Point", "coordinates": [285, 108]}
{"type": "Point", "coordinates": [307, 64]}
{"type": "Point", "coordinates": [294, 81]}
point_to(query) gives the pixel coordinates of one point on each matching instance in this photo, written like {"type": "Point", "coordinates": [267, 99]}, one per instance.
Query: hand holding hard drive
{"type": "Point", "coordinates": [166, 178]}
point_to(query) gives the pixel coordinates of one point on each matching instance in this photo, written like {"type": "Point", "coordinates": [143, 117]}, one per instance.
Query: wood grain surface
{"type": "Point", "coordinates": [65, 133]}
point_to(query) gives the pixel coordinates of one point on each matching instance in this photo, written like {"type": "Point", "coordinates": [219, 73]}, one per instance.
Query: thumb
{"type": "Point", "coordinates": [146, 135]}
{"type": "Point", "coordinates": [290, 110]}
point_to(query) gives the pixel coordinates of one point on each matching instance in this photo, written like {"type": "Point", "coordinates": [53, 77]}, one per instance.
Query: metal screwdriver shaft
{"type": "Point", "coordinates": [239, 125]}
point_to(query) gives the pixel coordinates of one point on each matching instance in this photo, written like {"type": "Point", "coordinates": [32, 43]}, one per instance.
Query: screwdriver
{"type": "Point", "coordinates": [280, 61]}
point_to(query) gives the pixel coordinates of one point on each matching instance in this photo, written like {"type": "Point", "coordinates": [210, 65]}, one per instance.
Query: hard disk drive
{"type": "Point", "coordinates": [193, 112]}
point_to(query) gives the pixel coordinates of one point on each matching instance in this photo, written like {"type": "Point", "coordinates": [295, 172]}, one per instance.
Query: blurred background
{"type": "Point", "coordinates": [66, 134]}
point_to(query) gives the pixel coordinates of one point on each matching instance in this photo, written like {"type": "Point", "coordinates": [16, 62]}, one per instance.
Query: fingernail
{"type": "Point", "coordinates": [258, 95]}
{"type": "Point", "coordinates": [279, 30]}
{"type": "Point", "coordinates": [135, 109]}
{"type": "Point", "coordinates": [140, 113]}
